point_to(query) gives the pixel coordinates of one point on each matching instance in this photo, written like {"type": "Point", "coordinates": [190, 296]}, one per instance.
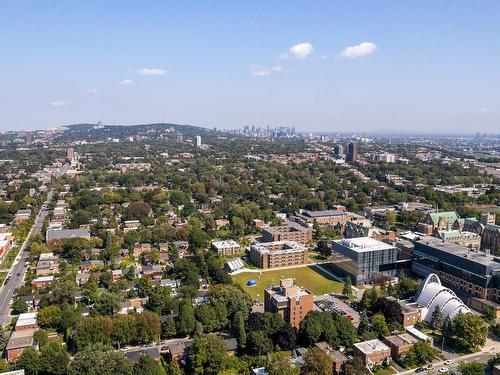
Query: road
{"type": "Point", "coordinates": [482, 357]}
{"type": "Point", "coordinates": [18, 271]}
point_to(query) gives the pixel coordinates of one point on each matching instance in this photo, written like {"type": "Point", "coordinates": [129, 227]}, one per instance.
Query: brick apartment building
{"type": "Point", "coordinates": [289, 231]}
{"type": "Point", "coordinates": [278, 254]}
{"type": "Point", "coordinates": [290, 301]}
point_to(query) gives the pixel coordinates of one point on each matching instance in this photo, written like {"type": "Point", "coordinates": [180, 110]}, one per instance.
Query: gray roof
{"type": "Point", "coordinates": [67, 233]}
{"type": "Point", "coordinates": [135, 355]}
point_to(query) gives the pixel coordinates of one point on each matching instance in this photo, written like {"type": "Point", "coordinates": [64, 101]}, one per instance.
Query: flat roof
{"type": "Point", "coordinates": [21, 339]}
{"type": "Point", "coordinates": [363, 244]}
{"type": "Point", "coordinates": [459, 251]}
{"type": "Point", "coordinates": [372, 346]}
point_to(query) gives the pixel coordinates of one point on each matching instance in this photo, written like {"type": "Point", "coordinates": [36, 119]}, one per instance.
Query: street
{"type": "Point", "coordinates": [18, 270]}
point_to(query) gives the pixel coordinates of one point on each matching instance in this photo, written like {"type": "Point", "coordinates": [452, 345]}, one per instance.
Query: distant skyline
{"type": "Point", "coordinates": [333, 66]}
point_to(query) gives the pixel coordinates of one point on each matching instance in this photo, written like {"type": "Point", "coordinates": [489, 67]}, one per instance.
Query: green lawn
{"type": "Point", "coordinates": [3, 275]}
{"type": "Point", "coordinates": [384, 371]}
{"type": "Point", "coordinates": [10, 257]}
{"type": "Point", "coordinates": [306, 277]}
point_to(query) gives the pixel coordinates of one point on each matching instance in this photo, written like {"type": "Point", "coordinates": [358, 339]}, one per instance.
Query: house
{"type": "Point", "coordinates": [42, 282]}
{"type": "Point", "coordinates": [336, 356]}
{"type": "Point", "coordinates": [140, 248]}
{"type": "Point", "coordinates": [400, 344]}
{"type": "Point", "coordinates": [21, 216]}
{"type": "Point", "coordinates": [116, 275]}
{"type": "Point", "coordinates": [132, 304]}
{"type": "Point", "coordinates": [26, 321]}
{"type": "Point", "coordinates": [18, 341]}
{"type": "Point", "coordinates": [135, 354]}
{"type": "Point", "coordinates": [178, 350]}
{"type": "Point", "coordinates": [373, 352]}
{"type": "Point", "coordinates": [154, 272]}
{"type": "Point", "coordinates": [231, 345]}
{"type": "Point", "coordinates": [63, 234]}
{"type": "Point", "coordinates": [221, 223]}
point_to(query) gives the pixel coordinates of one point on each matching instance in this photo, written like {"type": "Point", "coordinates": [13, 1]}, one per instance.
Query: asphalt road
{"type": "Point", "coordinates": [18, 271]}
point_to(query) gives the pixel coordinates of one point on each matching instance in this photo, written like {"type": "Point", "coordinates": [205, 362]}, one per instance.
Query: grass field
{"type": "Point", "coordinates": [307, 277]}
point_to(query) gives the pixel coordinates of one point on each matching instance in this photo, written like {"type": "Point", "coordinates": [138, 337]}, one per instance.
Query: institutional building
{"type": "Point", "coordinates": [290, 301]}
{"type": "Point", "coordinates": [437, 220]}
{"type": "Point", "coordinates": [278, 254]}
{"type": "Point", "coordinates": [471, 272]}
{"type": "Point", "coordinates": [364, 259]}
{"type": "Point", "coordinates": [486, 228]}
{"type": "Point", "coordinates": [330, 218]}
{"type": "Point", "coordinates": [289, 231]}
{"type": "Point", "coordinates": [227, 247]}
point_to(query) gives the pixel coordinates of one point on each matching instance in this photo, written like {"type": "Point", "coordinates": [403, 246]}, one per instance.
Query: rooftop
{"type": "Point", "coordinates": [372, 346]}
{"type": "Point", "coordinates": [225, 244]}
{"type": "Point", "coordinates": [460, 251]}
{"type": "Point", "coordinates": [278, 247]}
{"type": "Point", "coordinates": [21, 339]}
{"type": "Point", "coordinates": [363, 244]}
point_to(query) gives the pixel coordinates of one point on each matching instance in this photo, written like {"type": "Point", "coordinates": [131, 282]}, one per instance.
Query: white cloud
{"type": "Point", "coordinates": [298, 51]}
{"type": "Point", "coordinates": [92, 91]}
{"type": "Point", "coordinates": [59, 103]}
{"type": "Point", "coordinates": [484, 109]}
{"type": "Point", "coordinates": [259, 71]}
{"type": "Point", "coordinates": [151, 72]}
{"type": "Point", "coordinates": [360, 50]}
{"type": "Point", "coordinates": [125, 82]}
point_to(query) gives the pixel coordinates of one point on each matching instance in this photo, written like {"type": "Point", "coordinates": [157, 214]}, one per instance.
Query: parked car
{"type": "Point", "coordinates": [420, 369]}
{"type": "Point", "coordinates": [448, 362]}
{"type": "Point", "coordinates": [443, 370]}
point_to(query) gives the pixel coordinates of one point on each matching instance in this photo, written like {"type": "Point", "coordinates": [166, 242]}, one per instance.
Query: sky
{"type": "Point", "coordinates": [338, 66]}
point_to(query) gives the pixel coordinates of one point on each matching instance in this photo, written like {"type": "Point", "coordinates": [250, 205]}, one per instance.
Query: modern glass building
{"type": "Point", "coordinates": [364, 258]}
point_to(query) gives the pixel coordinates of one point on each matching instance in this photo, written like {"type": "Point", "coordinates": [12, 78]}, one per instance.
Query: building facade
{"type": "Point", "coordinates": [364, 259]}
{"type": "Point", "coordinates": [290, 231]}
{"type": "Point", "coordinates": [290, 301]}
{"type": "Point", "coordinates": [278, 254]}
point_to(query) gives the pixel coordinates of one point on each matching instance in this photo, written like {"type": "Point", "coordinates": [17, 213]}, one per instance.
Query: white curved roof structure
{"type": "Point", "coordinates": [431, 294]}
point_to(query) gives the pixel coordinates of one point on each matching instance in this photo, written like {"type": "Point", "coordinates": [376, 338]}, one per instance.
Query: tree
{"type": "Point", "coordinates": [370, 297]}
{"type": "Point", "coordinates": [258, 343]}
{"type": "Point", "coordinates": [286, 337]}
{"type": "Point", "coordinates": [421, 354]}
{"type": "Point", "coordinates": [436, 318]}
{"type": "Point", "coordinates": [473, 368]}
{"type": "Point", "coordinates": [239, 329]}
{"type": "Point", "coordinates": [345, 330]}
{"type": "Point", "coordinates": [233, 297]}
{"type": "Point", "coordinates": [168, 328]}
{"type": "Point", "coordinates": [100, 360]}
{"type": "Point", "coordinates": [146, 365]}
{"type": "Point", "coordinates": [92, 330]}
{"type": "Point", "coordinates": [63, 292]}
{"type": "Point", "coordinates": [489, 314]}
{"type": "Point", "coordinates": [311, 328]}
{"type": "Point", "coordinates": [379, 325]}
{"type": "Point", "coordinates": [347, 288]}
{"type": "Point", "coordinates": [41, 337]}
{"type": "Point", "coordinates": [49, 317]}
{"type": "Point", "coordinates": [186, 320]}
{"type": "Point", "coordinates": [207, 355]}
{"type": "Point", "coordinates": [29, 360]}
{"type": "Point", "coordinates": [124, 329]}
{"type": "Point", "coordinates": [470, 331]}
{"type": "Point", "coordinates": [138, 210]}
{"type": "Point", "coordinates": [272, 323]}
{"type": "Point", "coordinates": [174, 369]}
{"type": "Point", "coordinates": [279, 364]}
{"type": "Point", "coordinates": [19, 306]}
{"type": "Point", "coordinates": [317, 362]}
{"type": "Point", "coordinates": [54, 359]}
{"type": "Point", "coordinates": [3, 341]}
{"type": "Point", "coordinates": [148, 327]}
{"type": "Point", "coordinates": [159, 299]}
{"type": "Point", "coordinates": [355, 367]}
{"type": "Point", "coordinates": [107, 303]}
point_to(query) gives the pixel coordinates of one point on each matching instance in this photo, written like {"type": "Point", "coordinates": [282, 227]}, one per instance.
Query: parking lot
{"type": "Point", "coordinates": [329, 303]}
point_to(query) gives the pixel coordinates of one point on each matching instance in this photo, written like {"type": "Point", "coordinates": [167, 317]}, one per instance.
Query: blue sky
{"type": "Point", "coordinates": [413, 65]}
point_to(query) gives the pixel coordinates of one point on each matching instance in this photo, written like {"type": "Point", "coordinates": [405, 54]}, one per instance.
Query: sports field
{"type": "Point", "coordinates": [306, 277]}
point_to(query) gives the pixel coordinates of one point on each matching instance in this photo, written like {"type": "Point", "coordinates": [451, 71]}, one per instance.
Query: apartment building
{"type": "Point", "coordinates": [290, 301]}
{"type": "Point", "coordinates": [278, 254]}
{"type": "Point", "coordinates": [289, 231]}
